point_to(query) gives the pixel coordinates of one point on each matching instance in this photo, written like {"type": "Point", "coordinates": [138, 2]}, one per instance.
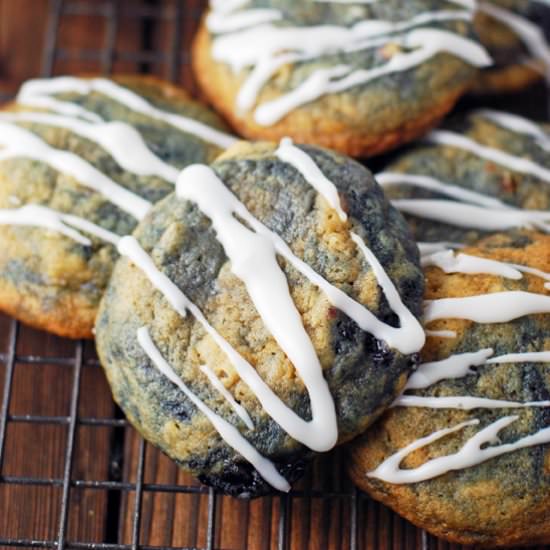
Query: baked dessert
{"type": "Point", "coordinates": [264, 313]}
{"type": "Point", "coordinates": [483, 172]}
{"type": "Point", "coordinates": [513, 33]}
{"type": "Point", "coordinates": [465, 451]}
{"type": "Point", "coordinates": [81, 161]}
{"type": "Point", "coordinates": [357, 77]}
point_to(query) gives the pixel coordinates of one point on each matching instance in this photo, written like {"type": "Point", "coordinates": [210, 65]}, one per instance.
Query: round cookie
{"type": "Point", "coordinates": [279, 275]}
{"type": "Point", "coordinates": [81, 161]}
{"type": "Point", "coordinates": [482, 172]}
{"type": "Point", "coordinates": [465, 451]}
{"type": "Point", "coordinates": [360, 78]}
{"type": "Point", "coordinates": [513, 33]}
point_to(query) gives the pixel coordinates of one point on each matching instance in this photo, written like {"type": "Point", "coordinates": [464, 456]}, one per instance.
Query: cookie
{"type": "Point", "coordinates": [483, 172]}
{"type": "Point", "coordinates": [465, 451]}
{"type": "Point", "coordinates": [513, 33]}
{"type": "Point", "coordinates": [263, 314]}
{"type": "Point", "coordinates": [360, 78]}
{"type": "Point", "coordinates": [82, 160]}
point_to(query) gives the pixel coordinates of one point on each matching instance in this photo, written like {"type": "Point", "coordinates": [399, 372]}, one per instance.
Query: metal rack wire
{"type": "Point", "coordinates": [325, 511]}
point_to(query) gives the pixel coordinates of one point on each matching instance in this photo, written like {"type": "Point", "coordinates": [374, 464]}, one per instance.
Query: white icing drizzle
{"type": "Point", "coordinates": [224, 22]}
{"type": "Point", "coordinates": [252, 251]}
{"type": "Point", "coordinates": [531, 34]}
{"type": "Point", "coordinates": [475, 451]}
{"type": "Point", "coordinates": [498, 307]}
{"type": "Point", "coordinates": [440, 246]}
{"type": "Point", "coordinates": [463, 402]}
{"type": "Point", "coordinates": [424, 43]}
{"type": "Point", "coordinates": [409, 338]}
{"type": "Point", "coordinates": [532, 357]}
{"type": "Point", "coordinates": [18, 142]}
{"type": "Point", "coordinates": [228, 432]}
{"type": "Point", "coordinates": [268, 289]}
{"type": "Point", "coordinates": [448, 262]}
{"type": "Point", "coordinates": [34, 215]}
{"type": "Point", "coordinates": [456, 366]}
{"type": "Point", "coordinates": [227, 6]}
{"type": "Point", "coordinates": [261, 73]}
{"type": "Point", "coordinates": [347, 1]}
{"type": "Point", "coordinates": [294, 156]}
{"type": "Point", "coordinates": [407, 321]}
{"type": "Point", "coordinates": [64, 108]}
{"type": "Point", "coordinates": [512, 162]}
{"type": "Point", "coordinates": [389, 179]}
{"type": "Point", "coordinates": [120, 140]}
{"type": "Point", "coordinates": [464, 263]}
{"type": "Point", "coordinates": [218, 385]}
{"type": "Point", "coordinates": [488, 308]}
{"type": "Point", "coordinates": [294, 425]}
{"type": "Point", "coordinates": [276, 46]}
{"type": "Point", "coordinates": [314, 41]}
{"type": "Point", "coordinates": [37, 93]}
{"type": "Point", "coordinates": [470, 4]}
{"type": "Point", "coordinates": [517, 124]}
{"type": "Point", "coordinates": [129, 247]}
{"type": "Point", "coordinates": [459, 366]}
{"type": "Point", "coordinates": [441, 333]}
{"type": "Point", "coordinates": [254, 261]}
{"type": "Point", "coordinates": [471, 216]}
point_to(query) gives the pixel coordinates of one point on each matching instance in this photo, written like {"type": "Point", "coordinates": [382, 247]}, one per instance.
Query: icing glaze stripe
{"type": "Point", "coordinates": [228, 432]}
{"type": "Point", "coordinates": [409, 338]}
{"type": "Point", "coordinates": [253, 260]}
{"type": "Point", "coordinates": [498, 307]}
{"type": "Point", "coordinates": [37, 92]}
{"type": "Point", "coordinates": [449, 262]}
{"type": "Point", "coordinates": [120, 140]}
{"type": "Point", "coordinates": [533, 357]}
{"type": "Point", "coordinates": [277, 45]}
{"type": "Point", "coordinates": [227, 6]}
{"type": "Point", "coordinates": [517, 124]}
{"type": "Point", "coordinates": [425, 43]}
{"type": "Point", "coordinates": [478, 449]}
{"type": "Point", "coordinates": [317, 40]}
{"type": "Point", "coordinates": [474, 217]}
{"type": "Point", "coordinates": [460, 365]}
{"type": "Point", "coordinates": [389, 179]}
{"type": "Point", "coordinates": [441, 333]}
{"type": "Point", "coordinates": [295, 426]}
{"type": "Point", "coordinates": [300, 160]}
{"type": "Point", "coordinates": [512, 162]}
{"type": "Point", "coordinates": [224, 22]}
{"type": "Point", "coordinates": [218, 385]}
{"type": "Point", "coordinates": [18, 142]}
{"type": "Point", "coordinates": [34, 215]}
{"type": "Point", "coordinates": [456, 366]}
{"type": "Point", "coordinates": [463, 403]}
{"type": "Point", "coordinates": [212, 196]}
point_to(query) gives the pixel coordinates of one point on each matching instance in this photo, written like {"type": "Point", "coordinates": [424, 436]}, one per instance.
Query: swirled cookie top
{"type": "Point", "coordinates": [334, 46]}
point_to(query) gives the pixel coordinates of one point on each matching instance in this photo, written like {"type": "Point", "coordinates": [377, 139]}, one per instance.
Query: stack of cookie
{"type": "Point", "coordinates": [258, 302]}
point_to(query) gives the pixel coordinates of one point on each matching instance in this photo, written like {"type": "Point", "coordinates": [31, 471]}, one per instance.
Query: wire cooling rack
{"type": "Point", "coordinates": [73, 473]}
